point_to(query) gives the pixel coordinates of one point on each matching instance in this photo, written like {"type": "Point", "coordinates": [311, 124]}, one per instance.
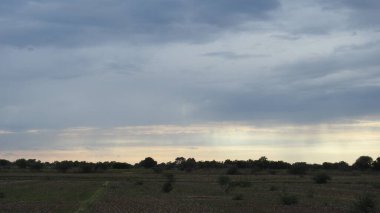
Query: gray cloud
{"type": "Point", "coordinates": [115, 63]}
{"type": "Point", "coordinates": [84, 22]}
{"type": "Point", "coordinates": [230, 55]}
{"type": "Point", "coordinates": [362, 14]}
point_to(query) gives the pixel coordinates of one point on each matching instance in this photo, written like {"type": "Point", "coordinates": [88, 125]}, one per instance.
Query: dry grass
{"type": "Point", "coordinates": [192, 192]}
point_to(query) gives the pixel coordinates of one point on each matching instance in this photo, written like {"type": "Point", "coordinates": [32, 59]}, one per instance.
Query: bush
{"type": "Point", "coordinates": [5, 164]}
{"type": "Point", "coordinates": [167, 187]}
{"type": "Point", "coordinates": [298, 168]}
{"type": "Point", "coordinates": [35, 165]}
{"type": "Point", "coordinates": [148, 163]}
{"type": "Point", "coordinates": [139, 183]}
{"type": "Point", "coordinates": [364, 203]}
{"type": "Point", "coordinates": [62, 166]}
{"type": "Point", "coordinates": [288, 199]}
{"type": "Point", "coordinates": [321, 178]}
{"type": "Point", "coordinates": [232, 171]}
{"type": "Point", "coordinates": [363, 163]}
{"type": "Point", "coordinates": [225, 183]}
{"type": "Point", "coordinates": [273, 188]}
{"type": "Point", "coordinates": [237, 197]}
{"type": "Point", "coordinates": [376, 164]}
{"type": "Point", "coordinates": [21, 163]}
{"type": "Point", "coordinates": [2, 195]}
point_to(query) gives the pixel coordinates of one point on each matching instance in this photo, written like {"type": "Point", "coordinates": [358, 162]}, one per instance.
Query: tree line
{"type": "Point", "coordinates": [189, 164]}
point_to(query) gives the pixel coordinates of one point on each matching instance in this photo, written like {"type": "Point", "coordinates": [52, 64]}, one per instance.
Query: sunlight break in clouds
{"type": "Point", "coordinates": [212, 141]}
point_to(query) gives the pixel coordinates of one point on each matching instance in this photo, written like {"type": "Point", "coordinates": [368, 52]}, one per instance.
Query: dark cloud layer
{"type": "Point", "coordinates": [82, 22]}
{"type": "Point", "coordinates": [114, 63]}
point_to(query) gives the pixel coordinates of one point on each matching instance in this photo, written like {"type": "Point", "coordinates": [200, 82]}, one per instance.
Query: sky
{"type": "Point", "coordinates": [121, 80]}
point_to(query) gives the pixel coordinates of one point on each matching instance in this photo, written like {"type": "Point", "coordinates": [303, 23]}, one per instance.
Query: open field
{"type": "Point", "coordinates": [140, 190]}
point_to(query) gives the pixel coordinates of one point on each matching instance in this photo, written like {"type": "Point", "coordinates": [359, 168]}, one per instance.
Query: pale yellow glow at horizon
{"type": "Point", "coordinates": [219, 141]}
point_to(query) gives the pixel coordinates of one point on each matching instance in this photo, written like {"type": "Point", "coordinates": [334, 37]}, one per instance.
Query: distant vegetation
{"type": "Point", "coordinates": [188, 185]}
{"type": "Point", "coordinates": [363, 163]}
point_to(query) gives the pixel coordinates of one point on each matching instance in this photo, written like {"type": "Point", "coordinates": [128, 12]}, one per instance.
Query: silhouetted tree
{"type": "Point", "coordinates": [376, 164]}
{"type": "Point", "coordinates": [119, 165]}
{"type": "Point", "coordinates": [340, 166]}
{"type": "Point", "coordinates": [189, 164]}
{"type": "Point", "coordinates": [86, 167]}
{"type": "Point", "coordinates": [363, 163]}
{"type": "Point", "coordinates": [63, 166]}
{"type": "Point", "coordinates": [34, 165]}
{"type": "Point", "coordinates": [148, 163]}
{"type": "Point", "coordinates": [179, 161]}
{"type": "Point", "coordinates": [298, 168]}
{"type": "Point", "coordinates": [321, 178]}
{"type": "Point", "coordinates": [5, 164]}
{"type": "Point", "coordinates": [21, 163]}
{"type": "Point", "coordinates": [263, 162]}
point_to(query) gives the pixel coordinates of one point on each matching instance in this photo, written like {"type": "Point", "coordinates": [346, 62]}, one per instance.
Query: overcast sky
{"type": "Point", "coordinates": [190, 76]}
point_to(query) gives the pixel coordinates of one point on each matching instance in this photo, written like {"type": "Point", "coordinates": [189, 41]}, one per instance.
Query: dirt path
{"type": "Point", "coordinates": [85, 205]}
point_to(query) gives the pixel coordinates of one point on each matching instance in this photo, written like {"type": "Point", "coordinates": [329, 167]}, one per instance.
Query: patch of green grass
{"type": "Point", "coordinates": [86, 204]}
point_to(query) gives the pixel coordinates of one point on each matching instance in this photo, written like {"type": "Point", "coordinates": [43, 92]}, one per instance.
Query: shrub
{"type": "Point", "coordinates": [148, 163]}
{"type": "Point", "coordinates": [233, 170]}
{"type": "Point", "coordinates": [321, 178]}
{"type": "Point", "coordinates": [288, 199]}
{"type": "Point", "coordinates": [21, 163]}
{"type": "Point", "coordinates": [139, 183]}
{"type": "Point", "coordinates": [5, 164]}
{"type": "Point", "coordinates": [35, 165]}
{"type": "Point", "coordinates": [225, 183]}
{"type": "Point", "coordinates": [167, 187]}
{"type": "Point", "coordinates": [2, 195]}
{"type": "Point", "coordinates": [273, 188]}
{"type": "Point", "coordinates": [238, 197]}
{"type": "Point", "coordinates": [298, 168]}
{"type": "Point", "coordinates": [363, 163]}
{"type": "Point", "coordinates": [376, 164]}
{"type": "Point", "coordinates": [364, 203]}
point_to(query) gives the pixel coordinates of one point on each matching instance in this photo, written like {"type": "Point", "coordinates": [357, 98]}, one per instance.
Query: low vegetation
{"type": "Point", "coordinates": [186, 185]}
{"type": "Point", "coordinates": [289, 199]}
{"type": "Point", "coordinates": [363, 163]}
{"type": "Point", "coordinates": [365, 203]}
{"type": "Point", "coordinates": [321, 178]}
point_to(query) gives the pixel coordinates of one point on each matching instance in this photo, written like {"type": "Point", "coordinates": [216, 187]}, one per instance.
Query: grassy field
{"type": "Point", "coordinates": [140, 190]}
